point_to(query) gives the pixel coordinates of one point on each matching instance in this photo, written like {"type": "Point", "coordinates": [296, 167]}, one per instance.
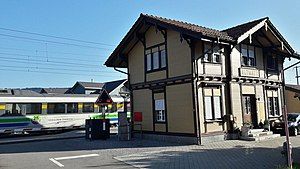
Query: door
{"type": "Point", "coordinates": [249, 110]}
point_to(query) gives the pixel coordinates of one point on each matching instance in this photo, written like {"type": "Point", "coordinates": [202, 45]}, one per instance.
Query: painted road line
{"type": "Point", "coordinates": [74, 157]}
{"type": "Point", "coordinates": [56, 162]}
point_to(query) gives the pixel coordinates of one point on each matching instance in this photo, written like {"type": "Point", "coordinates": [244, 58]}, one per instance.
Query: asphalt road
{"type": "Point", "coordinates": [75, 153]}
{"type": "Point", "coordinates": [79, 153]}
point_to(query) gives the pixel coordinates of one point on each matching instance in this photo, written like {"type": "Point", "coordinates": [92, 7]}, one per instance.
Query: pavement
{"type": "Point", "coordinates": [78, 153]}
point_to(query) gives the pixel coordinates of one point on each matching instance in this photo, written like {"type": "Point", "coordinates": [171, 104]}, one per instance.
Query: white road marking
{"type": "Point", "coordinates": [73, 157]}
{"type": "Point", "coordinates": [56, 162]}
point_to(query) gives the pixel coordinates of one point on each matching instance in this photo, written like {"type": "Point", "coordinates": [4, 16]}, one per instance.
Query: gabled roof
{"type": "Point", "coordinates": [204, 31]}
{"type": "Point", "coordinates": [232, 35]}
{"type": "Point", "coordinates": [54, 90]}
{"type": "Point", "coordinates": [110, 86]}
{"type": "Point", "coordinates": [90, 85]}
{"type": "Point", "coordinates": [236, 31]}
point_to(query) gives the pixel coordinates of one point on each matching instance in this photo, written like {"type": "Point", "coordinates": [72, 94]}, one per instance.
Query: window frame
{"type": "Point", "coordinates": [248, 56]}
{"type": "Point", "coordinates": [212, 106]}
{"type": "Point", "coordinates": [161, 113]}
{"type": "Point", "coordinates": [275, 62]}
{"type": "Point", "coordinates": [273, 111]}
{"type": "Point", "coordinates": [159, 48]}
{"type": "Point", "coordinates": [212, 51]}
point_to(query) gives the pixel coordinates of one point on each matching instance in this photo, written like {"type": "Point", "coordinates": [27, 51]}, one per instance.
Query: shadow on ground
{"type": "Point", "coordinates": [79, 144]}
{"type": "Point", "coordinates": [236, 157]}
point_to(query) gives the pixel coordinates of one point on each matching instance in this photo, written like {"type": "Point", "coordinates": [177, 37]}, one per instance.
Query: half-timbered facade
{"type": "Point", "coordinates": [195, 82]}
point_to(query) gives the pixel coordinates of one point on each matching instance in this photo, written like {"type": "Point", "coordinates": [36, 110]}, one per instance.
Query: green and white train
{"type": "Point", "coordinates": [20, 114]}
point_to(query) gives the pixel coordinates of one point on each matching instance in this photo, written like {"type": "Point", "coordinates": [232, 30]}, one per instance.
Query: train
{"type": "Point", "coordinates": [25, 114]}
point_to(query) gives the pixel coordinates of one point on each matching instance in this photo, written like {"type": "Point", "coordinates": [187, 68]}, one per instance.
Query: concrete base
{"type": "Point", "coordinates": [171, 139]}
{"type": "Point", "coordinates": [206, 139]}
{"type": "Point", "coordinates": [212, 138]}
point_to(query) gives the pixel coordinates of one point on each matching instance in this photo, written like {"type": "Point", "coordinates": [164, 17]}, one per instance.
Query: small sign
{"type": "Point", "coordinates": [137, 117]}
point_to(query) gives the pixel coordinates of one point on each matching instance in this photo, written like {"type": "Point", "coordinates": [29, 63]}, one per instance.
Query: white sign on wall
{"type": "Point", "coordinates": [160, 104]}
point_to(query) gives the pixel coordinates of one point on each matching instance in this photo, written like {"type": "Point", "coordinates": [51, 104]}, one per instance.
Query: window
{"type": "Point", "coordinates": [72, 108]}
{"type": "Point", "coordinates": [212, 55]}
{"type": "Point", "coordinates": [212, 104]}
{"type": "Point", "coordinates": [273, 106]}
{"type": "Point", "coordinates": [88, 107]}
{"type": "Point", "coordinates": [34, 108]}
{"type": "Point", "coordinates": [247, 105]}
{"type": "Point", "coordinates": [54, 108]}
{"type": "Point", "coordinates": [272, 63]}
{"type": "Point", "coordinates": [160, 110]}
{"type": "Point", "coordinates": [156, 58]}
{"type": "Point", "coordinates": [248, 55]}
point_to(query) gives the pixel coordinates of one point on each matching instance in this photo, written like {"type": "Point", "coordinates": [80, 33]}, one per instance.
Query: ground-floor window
{"type": "Point", "coordinates": [160, 110]}
{"type": "Point", "coordinates": [212, 104]}
{"type": "Point", "coordinates": [273, 106]}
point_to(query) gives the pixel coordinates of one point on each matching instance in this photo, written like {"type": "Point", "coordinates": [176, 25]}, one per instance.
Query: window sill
{"type": "Point", "coordinates": [160, 122]}
{"type": "Point", "coordinates": [156, 70]}
{"type": "Point", "coordinates": [213, 121]}
{"type": "Point", "coordinates": [213, 63]}
{"type": "Point", "coordinates": [249, 67]}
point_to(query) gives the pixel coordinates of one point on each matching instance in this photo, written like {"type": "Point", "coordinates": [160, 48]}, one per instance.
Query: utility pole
{"type": "Point", "coordinates": [297, 75]}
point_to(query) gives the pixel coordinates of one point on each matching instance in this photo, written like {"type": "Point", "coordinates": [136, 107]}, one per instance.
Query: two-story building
{"type": "Point", "coordinates": [192, 82]}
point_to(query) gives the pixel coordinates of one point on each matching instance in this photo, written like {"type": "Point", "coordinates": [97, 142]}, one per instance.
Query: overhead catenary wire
{"type": "Point", "coordinates": [49, 57]}
{"type": "Point", "coordinates": [57, 37]}
{"type": "Point", "coordinates": [43, 63]}
{"type": "Point", "coordinates": [49, 68]}
{"type": "Point", "coordinates": [79, 74]}
{"type": "Point", "coordinates": [43, 51]}
{"type": "Point", "coordinates": [54, 42]}
{"type": "Point", "coordinates": [48, 60]}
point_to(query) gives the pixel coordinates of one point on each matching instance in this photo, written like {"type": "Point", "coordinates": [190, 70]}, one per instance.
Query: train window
{"type": "Point", "coordinates": [34, 108]}
{"type": "Point", "coordinates": [72, 108]}
{"type": "Point", "coordinates": [55, 108]}
{"type": "Point", "coordinates": [88, 107]}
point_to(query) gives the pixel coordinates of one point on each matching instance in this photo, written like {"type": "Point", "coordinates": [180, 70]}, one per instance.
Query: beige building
{"type": "Point", "coordinates": [200, 83]}
{"type": "Point", "coordinates": [292, 97]}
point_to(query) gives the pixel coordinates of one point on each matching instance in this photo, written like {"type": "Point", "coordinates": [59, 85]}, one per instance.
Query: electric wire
{"type": "Point", "coordinates": [77, 74]}
{"type": "Point", "coordinates": [54, 42]}
{"type": "Point", "coordinates": [57, 37]}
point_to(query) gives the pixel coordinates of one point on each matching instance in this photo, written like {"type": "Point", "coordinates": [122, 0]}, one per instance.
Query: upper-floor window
{"type": "Point", "coordinates": [156, 58]}
{"type": "Point", "coordinates": [272, 63]}
{"type": "Point", "coordinates": [248, 55]}
{"type": "Point", "coordinates": [212, 53]}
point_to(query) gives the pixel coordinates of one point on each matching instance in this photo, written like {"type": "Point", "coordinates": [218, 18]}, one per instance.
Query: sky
{"type": "Point", "coordinates": [29, 60]}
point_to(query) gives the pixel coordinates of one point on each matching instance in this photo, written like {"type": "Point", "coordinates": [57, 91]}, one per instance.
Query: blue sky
{"type": "Point", "coordinates": [27, 63]}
